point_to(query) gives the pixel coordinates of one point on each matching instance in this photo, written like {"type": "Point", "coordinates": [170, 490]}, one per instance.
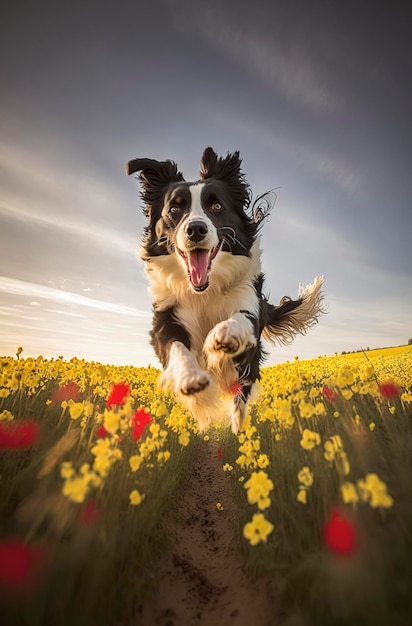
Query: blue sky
{"type": "Point", "coordinates": [316, 99]}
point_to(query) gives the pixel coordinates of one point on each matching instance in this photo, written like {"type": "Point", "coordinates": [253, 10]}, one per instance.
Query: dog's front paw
{"type": "Point", "coordinates": [183, 374]}
{"type": "Point", "coordinates": [230, 337]}
{"type": "Point", "coordinates": [193, 382]}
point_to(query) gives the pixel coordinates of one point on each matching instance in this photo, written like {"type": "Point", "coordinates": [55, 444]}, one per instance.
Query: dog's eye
{"type": "Point", "coordinates": [216, 206]}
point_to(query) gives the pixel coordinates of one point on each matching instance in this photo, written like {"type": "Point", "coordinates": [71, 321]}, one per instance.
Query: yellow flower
{"type": "Point", "coordinates": [258, 529]}
{"type": "Point", "coordinates": [372, 426]}
{"type": "Point", "coordinates": [313, 393]}
{"type": "Point", "coordinates": [111, 421]}
{"type": "Point", "coordinates": [88, 409]}
{"type": "Point", "coordinates": [250, 431]}
{"type": "Point", "coordinates": [75, 410]}
{"type": "Point", "coordinates": [206, 438]}
{"type": "Point", "coordinates": [309, 439]}
{"type": "Point", "coordinates": [135, 462]}
{"type": "Point", "coordinates": [258, 488]}
{"type": "Point", "coordinates": [373, 490]}
{"type": "Point", "coordinates": [305, 476]}
{"type": "Point", "coordinates": [155, 430]}
{"type": "Point", "coordinates": [406, 397]}
{"type": "Point", "coordinates": [101, 465]}
{"type": "Point", "coordinates": [302, 496]}
{"type": "Point", "coordinates": [306, 409]}
{"type": "Point", "coordinates": [332, 447]}
{"type": "Point", "coordinates": [6, 416]}
{"type": "Point", "coordinates": [349, 493]}
{"type": "Point", "coordinates": [342, 463]}
{"type": "Point", "coordinates": [106, 456]}
{"type": "Point", "coordinates": [263, 461]}
{"type": "Point", "coordinates": [347, 393]}
{"type": "Point", "coordinates": [66, 470]}
{"type": "Point", "coordinates": [76, 488]}
{"type": "Point", "coordinates": [219, 506]}
{"type": "Point", "coordinates": [135, 497]}
{"type": "Point", "coordinates": [345, 377]}
{"type": "Point", "coordinates": [163, 456]}
{"type": "Point", "coordinates": [320, 409]}
{"type": "Point", "coordinates": [184, 438]}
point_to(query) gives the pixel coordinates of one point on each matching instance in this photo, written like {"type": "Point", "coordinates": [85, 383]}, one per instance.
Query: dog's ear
{"type": "Point", "coordinates": [219, 167]}
{"type": "Point", "coordinates": [154, 173]}
{"type": "Point", "coordinates": [154, 177]}
{"type": "Point", "coordinates": [208, 163]}
{"type": "Point", "coordinates": [227, 169]}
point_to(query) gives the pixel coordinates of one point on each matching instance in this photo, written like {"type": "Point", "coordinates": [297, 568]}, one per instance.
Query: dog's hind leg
{"type": "Point", "coordinates": [238, 414]}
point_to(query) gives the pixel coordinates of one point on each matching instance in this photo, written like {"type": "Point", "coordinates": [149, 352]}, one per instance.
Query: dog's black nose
{"type": "Point", "coordinates": [196, 230]}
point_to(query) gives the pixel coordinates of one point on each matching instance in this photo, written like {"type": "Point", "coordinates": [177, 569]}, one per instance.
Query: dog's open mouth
{"type": "Point", "coordinates": [198, 262]}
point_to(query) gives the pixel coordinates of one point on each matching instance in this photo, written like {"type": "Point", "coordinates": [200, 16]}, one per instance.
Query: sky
{"type": "Point", "coordinates": [317, 97]}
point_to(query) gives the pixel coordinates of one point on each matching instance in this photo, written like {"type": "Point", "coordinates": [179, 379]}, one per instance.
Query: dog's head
{"type": "Point", "coordinates": [196, 220]}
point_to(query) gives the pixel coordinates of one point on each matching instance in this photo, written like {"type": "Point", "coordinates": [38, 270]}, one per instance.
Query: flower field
{"type": "Point", "coordinates": [93, 457]}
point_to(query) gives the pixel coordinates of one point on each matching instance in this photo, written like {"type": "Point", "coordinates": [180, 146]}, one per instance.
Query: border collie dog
{"type": "Point", "coordinates": [202, 258]}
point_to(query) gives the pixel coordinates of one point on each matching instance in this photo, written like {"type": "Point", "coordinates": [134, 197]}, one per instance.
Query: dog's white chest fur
{"type": "Point", "coordinates": [231, 290]}
{"type": "Point", "coordinates": [212, 320]}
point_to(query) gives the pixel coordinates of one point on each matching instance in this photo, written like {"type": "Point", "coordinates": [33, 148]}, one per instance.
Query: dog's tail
{"type": "Point", "coordinates": [281, 323]}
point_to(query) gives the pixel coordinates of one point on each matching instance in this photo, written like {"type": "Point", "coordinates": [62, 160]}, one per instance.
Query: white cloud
{"type": "Point", "coordinates": [16, 287]}
{"type": "Point", "coordinates": [98, 235]}
{"type": "Point", "coordinates": [38, 192]}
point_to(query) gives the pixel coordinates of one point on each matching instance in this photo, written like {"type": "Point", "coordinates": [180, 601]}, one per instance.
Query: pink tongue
{"type": "Point", "coordinates": [198, 264]}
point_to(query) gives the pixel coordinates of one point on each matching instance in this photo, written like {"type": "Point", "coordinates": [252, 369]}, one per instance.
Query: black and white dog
{"type": "Point", "coordinates": [202, 256]}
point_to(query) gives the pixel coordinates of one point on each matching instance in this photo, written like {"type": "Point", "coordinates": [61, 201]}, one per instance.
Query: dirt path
{"type": "Point", "coordinates": [203, 582]}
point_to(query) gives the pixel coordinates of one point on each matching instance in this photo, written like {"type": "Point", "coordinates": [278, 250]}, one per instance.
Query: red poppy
{"type": "Point", "coordinates": [118, 394]}
{"type": "Point", "coordinates": [139, 420]}
{"type": "Point", "coordinates": [101, 431]}
{"type": "Point", "coordinates": [68, 391]}
{"type": "Point", "coordinates": [20, 565]}
{"type": "Point", "coordinates": [89, 514]}
{"type": "Point", "coordinates": [389, 390]}
{"type": "Point", "coordinates": [19, 434]}
{"type": "Point", "coordinates": [340, 534]}
{"type": "Point", "coordinates": [219, 453]}
{"type": "Point", "coordinates": [236, 388]}
{"type": "Point", "coordinates": [329, 394]}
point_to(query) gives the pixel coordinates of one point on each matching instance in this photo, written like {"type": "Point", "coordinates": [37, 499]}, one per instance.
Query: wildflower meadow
{"type": "Point", "coordinates": [93, 457]}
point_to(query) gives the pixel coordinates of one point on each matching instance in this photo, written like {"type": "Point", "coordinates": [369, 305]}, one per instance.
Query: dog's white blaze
{"type": "Point", "coordinates": [196, 209]}
{"type": "Point", "coordinates": [196, 213]}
